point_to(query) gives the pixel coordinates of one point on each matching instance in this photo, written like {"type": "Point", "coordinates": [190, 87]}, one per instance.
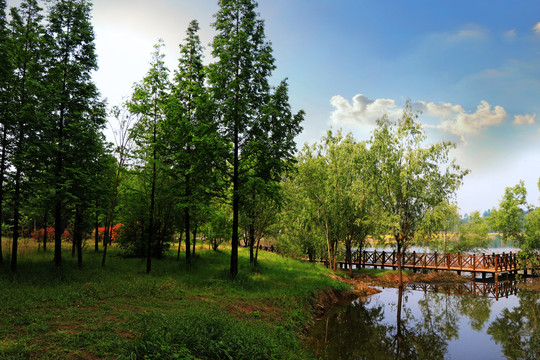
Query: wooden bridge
{"type": "Point", "coordinates": [495, 264]}
{"type": "Point", "coordinates": [493, 290]}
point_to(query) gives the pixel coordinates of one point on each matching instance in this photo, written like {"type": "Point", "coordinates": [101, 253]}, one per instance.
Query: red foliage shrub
{"type": "Point", "coordinates": [115, 229]}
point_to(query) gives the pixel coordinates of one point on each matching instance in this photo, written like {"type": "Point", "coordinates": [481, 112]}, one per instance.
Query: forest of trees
{"type": "Point", "coordinates": [208, 152]}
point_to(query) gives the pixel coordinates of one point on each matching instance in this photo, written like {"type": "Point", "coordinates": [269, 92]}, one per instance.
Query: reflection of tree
{"type": "Point", "coordinates": [442, 310]}
{"type": "Point", "coordinates": [477, 309]}
{"type": "Point", "coordinates": [352, 332]}
{"type": "Point", "coordinates": [517, 330]}
{"type": "Point", "coordinates": [415, 340]}
{"type": "Point", "coordinates": [358, 332]}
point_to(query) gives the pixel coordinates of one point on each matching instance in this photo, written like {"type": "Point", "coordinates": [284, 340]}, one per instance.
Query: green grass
{"type": "Point", "coordinates": [173, 313]}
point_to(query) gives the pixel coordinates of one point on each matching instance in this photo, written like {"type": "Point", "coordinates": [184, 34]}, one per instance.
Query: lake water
{"type": "Point", "coordinates": [420, 324]}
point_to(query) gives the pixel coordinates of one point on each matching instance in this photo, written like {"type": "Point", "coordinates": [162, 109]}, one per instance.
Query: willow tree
{"type": "Point", "coordinates": [242, 94]}
{"type": "Point", "coordinates": [333, 175]}
{"type": "Point", "coordinates": [409, 178]}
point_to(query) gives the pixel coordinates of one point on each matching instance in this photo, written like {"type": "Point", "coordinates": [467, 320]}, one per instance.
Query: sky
{"type": "Point", "coordinates": [471, 67]}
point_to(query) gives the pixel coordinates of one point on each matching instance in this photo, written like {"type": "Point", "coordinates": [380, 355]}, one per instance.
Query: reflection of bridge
{"type": "Point", "coordinates": [495, 264]}
{"type": "Point", "coordinates": [495, 290]}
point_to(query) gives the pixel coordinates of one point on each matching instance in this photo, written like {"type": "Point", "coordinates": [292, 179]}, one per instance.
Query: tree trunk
{"type": "Point", "coordinates": [105, 234]}
{"type": "Point", "coordinates": [2, 170]}
{"type": "Point", "coordinates": [152, 206]}
{"type": "Point", "coordinates": [349, 256]}
{"type": "Point", "coordinates": [188, 234]}
{"type": "Point", "coordinates": [96, 233]}
{"type": "Point", "coordinates": [45, 232]}
{"type": "Point", "coordinates": [257, 251]}
{"type": "Point", "coordinates": [179, 245]}
{"type": "Point", "coordinates": [251, 242]}
{"type": "Point", "coordinates": [78, 235]}
{"type": "Point", "coordinates": [236, 206]}
{"type": "Point", "coordinates": [399, 260]}
{"type": "Point", "coordinates": [16, 220]}
{"type": "Point", "coordinates": [194, 238]}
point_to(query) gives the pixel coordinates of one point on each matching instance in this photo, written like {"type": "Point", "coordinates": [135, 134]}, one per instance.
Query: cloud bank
{"type": "Point", "coordinates": [452, 118]}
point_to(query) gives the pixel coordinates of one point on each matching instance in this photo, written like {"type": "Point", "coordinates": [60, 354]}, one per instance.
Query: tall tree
{"type": "Point", "coordinates": [149, 102]}
{"type": "Point", "coordinates": [75, 99]}
{"type": "Point", "coordinates": [26, 92]}
{"type": "Point", "coordinates": [409, 179]}
{"type": "Point", "coordinates": [191, 133]}
{"type": "Point", "coordinates": [240, 89]}
{"type": "Point", "coordinates": [5, 73]}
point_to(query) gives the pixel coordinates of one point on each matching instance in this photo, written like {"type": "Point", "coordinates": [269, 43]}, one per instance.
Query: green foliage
{"type": "Point", "coordinates": [438, 226]}
{"type": "Point", "coordinates": [522, 320]}
{"type": "Point", "coordinates": [472, 235]}
{"type": "Point", "coordinates": [257, 123]}
{"type": "Point", "coordinates": [330, 190]}
{"type": "Point", "coordinates": [409, 179]}
{"type": "Point", "coordinates": [508, 219]}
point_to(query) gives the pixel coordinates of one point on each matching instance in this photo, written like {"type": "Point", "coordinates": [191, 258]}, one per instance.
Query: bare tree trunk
{"type": "Point", "coordinates": [179, 245]}
{"type": "Point", "coordinates": [2, 170]}
{"type": "Point", "coordinates": [251, 242]}
{"type": "Point", "coordinates": [16, 220]}
{"type": "Point", "coordinates": [194, 238]}
{"type": "Point", "coordinates": [96, 232]}
{"type": "Point", "coordinates": [77, 236]}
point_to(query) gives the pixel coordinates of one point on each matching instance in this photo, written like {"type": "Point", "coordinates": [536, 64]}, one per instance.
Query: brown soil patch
{"type": "Point", "coordinates": [391, 279]}
{"type": "Point", "coordinates": [262, 310]}
{"type": "Point", "coordinates": [326, 299]}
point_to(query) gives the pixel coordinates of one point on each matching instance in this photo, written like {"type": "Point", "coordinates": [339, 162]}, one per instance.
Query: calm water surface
{"type": "Point", "coordinates": [420, 324]}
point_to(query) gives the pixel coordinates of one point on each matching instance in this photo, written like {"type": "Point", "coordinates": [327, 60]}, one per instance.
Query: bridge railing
{"type": "Point", "coordinates": [472, 262]}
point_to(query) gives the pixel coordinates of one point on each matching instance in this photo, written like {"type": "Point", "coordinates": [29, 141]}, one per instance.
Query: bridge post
{"type": "Point", "coordinates": [394, 260]}
{"type": "Point", "coordinates": [496, 274]}
{"type": "Point", "coordinates": [382, 261]}
{"type": "Point", "coordinates": [474, 266]}
{"type": "Point", "coordinates": [413, 261]}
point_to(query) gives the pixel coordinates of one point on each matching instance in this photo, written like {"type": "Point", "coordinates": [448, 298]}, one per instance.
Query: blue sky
{"type": "Point", "coordinates": [472, 67]}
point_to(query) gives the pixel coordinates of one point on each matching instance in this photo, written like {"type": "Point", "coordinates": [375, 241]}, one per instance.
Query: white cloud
{"type": "Point", "coordinates": [527, 119]}
{"type": "Point", "coordinates": [454, 119]}
{"type": "Point", "coordinates": [363, 111]}
{"type": "Point", "coordinates": [536, 28]}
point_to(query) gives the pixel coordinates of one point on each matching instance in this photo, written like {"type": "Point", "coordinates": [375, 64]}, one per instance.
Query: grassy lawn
{"type": "Point", "coordinates": [173, 313]}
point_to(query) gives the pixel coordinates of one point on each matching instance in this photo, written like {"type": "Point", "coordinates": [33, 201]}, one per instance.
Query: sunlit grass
{"type": "Point", "coordinates": [121, 311]}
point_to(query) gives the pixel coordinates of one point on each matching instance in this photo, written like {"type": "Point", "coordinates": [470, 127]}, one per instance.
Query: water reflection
{"type": "Point", "coordinates": [406, 324]}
